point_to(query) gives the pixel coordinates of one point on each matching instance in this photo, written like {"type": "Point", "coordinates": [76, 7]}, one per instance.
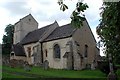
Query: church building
{"type": "Point", "coordinates": [63, 47]}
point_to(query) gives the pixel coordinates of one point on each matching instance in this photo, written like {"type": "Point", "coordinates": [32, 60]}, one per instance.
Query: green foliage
{"type": "Point", "coordinates": [77, 17]}
{"type": "Point", "coordinates": [7, 39]}
{"type": "Point", "coordinates": [118, 73]}
{"type": "Point", "coordinates": [63, 7]}
{"type": "Point", "coordinates": [109, 29]}
{"type": "Point", "coordinates": [81, 7]}
{"type": "Point", "coordinates": [77, 20]}
{"type": "Point", "coordinates": [105, 68]}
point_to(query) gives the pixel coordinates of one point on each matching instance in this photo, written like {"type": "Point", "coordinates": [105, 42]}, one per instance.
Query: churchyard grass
{"type": "Point", "coordinates": [54, 73]}
{"type": "Point", "coordinates": [9, 75]}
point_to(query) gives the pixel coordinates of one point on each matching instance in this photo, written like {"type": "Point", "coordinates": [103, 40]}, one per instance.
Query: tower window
{"type": "Point", "coordinates": [29, 19]}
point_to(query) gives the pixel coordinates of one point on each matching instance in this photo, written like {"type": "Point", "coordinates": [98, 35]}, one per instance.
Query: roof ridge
{"type": "Point", "coordinates": [49, 30]}
{"type": "Point", "coordinates": [52, 32]}
{"type": "Point", "coordinates": [42, 27]}
{"type": "Point", "coordinates": [26, 16]}
{"type": "Point", "coordinates": [22, 18]}
{"type": "Point", "coordinates": [65, 25]}
{"type": "Point", "coordinates": [62, 29]}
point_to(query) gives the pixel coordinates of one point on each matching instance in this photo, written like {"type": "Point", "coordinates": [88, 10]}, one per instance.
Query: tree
{"type": "Point", "coordinates": [109, 29]}
{"type": "Point", "coordinates": [77, 16]}
{"type": "Point", "coordinates": [7, 39]}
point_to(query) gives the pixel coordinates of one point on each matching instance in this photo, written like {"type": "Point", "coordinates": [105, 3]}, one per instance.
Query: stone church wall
{"type": "Point", "coordinates": [54, 62]}
{"type": "Point", "coordinates": [77, 59]}
{"type": "Point", "coordinates": [84, 37]}
{"type": "Point", "coordinates": [18, 58]}
{"type": "Point", "coordinates": [31, 58]}
{"type": "Point", "coordinates": [17, 32]}
{"type": "Point", "coordinates": [23, 27]}
{"type": "Point", "coordinates": [28, 25]}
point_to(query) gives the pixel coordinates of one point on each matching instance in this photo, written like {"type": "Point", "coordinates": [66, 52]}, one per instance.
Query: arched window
{"type": "Point", "coordinates": [56, 51]}
{"type": "Point", "coordinates": [86, 50]}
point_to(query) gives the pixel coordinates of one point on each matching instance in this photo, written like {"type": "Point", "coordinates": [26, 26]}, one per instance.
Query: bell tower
{"type": "Point", "coordinates": [23, 27]}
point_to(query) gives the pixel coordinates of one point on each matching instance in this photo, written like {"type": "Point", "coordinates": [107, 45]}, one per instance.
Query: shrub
{"type": "Point", "coordinates": [104, 67]}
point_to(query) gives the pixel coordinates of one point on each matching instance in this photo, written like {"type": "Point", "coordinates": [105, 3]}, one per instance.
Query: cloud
{"type": "Point", "coordinates": [15, 7]}
{"type": "Point", "coordinates": [59, 16]}
{"type": "Point", "coordinates": [92, 13]}
{"type": "Point", "coordinates": [46, 2]}
{"type": "Point", "coordinates": [45, 11]}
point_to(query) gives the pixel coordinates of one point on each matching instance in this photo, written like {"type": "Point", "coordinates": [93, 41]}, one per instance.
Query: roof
{"type": "Point", "coordinates": [61, 32]}
{"type": "Point", "coordinates": [18, 50]}
{"type": "Point", "coordinates": [90, 30]}
{"type": "Point", "coordinates": [25, 17]}
{"type": "Point", "coordinates": [35, 35]}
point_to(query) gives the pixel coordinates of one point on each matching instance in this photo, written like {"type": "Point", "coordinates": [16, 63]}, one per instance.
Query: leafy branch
{"type": "Point", "coordinates": [77, 16]}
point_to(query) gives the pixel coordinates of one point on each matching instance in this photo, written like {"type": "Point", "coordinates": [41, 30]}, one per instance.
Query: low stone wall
{"type": "Point", "coordinates": [5, 60]}
{"type": "Point", "coordinates": [17, 63]}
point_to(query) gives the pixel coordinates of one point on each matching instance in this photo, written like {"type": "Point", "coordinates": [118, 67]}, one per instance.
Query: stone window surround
{"type": "Point", "coordinates": [86, 51]}
{"type": "Point", "coordinates": [56, 59]}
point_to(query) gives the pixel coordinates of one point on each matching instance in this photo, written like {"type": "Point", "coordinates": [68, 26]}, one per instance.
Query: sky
{"type": "Point", "coordinates": [46, 12]}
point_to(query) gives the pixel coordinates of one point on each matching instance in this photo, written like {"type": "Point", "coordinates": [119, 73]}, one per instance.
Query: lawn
{"type": "Point", "coordinates": [38, 72]}
{"type": "Point", "coordinates": [51, 73]}
{"type": "Point", "coordinates": [8, 75]}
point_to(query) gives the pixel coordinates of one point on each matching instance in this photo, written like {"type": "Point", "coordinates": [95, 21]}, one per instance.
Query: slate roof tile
{"type": "Point", "coordinates": [35, 35]}
{"type": "Point", "coordinates": [18, 50]}
{"type": "Point", "coordinates": [61, 32]}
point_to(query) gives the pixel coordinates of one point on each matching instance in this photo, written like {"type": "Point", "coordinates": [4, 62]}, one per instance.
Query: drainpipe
{"type": "Point", "coordinates": [41, 52]}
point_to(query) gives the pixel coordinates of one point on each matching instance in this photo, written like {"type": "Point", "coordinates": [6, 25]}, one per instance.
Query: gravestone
{"type": "Point", "coordinates": [46, 64]}
{"type": "Point", "coordinates": [27, 67]}
{"type": "Point", "coordinates": [92, 66]}
{"type": "Point", "coordinates": [20, 63]}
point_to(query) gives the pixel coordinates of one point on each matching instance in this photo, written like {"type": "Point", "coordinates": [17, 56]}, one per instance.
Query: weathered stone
{"type": "Point", "coordinates": [13, 63]}
{"type": "Point", "coordinates": [5, 60]}
{"type": "Point", "coordinates": [16, 63]}
{"type": "Point", "coordinates": [92, 66]}
{"type": "Point", "coordinates": [27, 67]}
{"type": "Point", "coordinates": [46, 64]}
